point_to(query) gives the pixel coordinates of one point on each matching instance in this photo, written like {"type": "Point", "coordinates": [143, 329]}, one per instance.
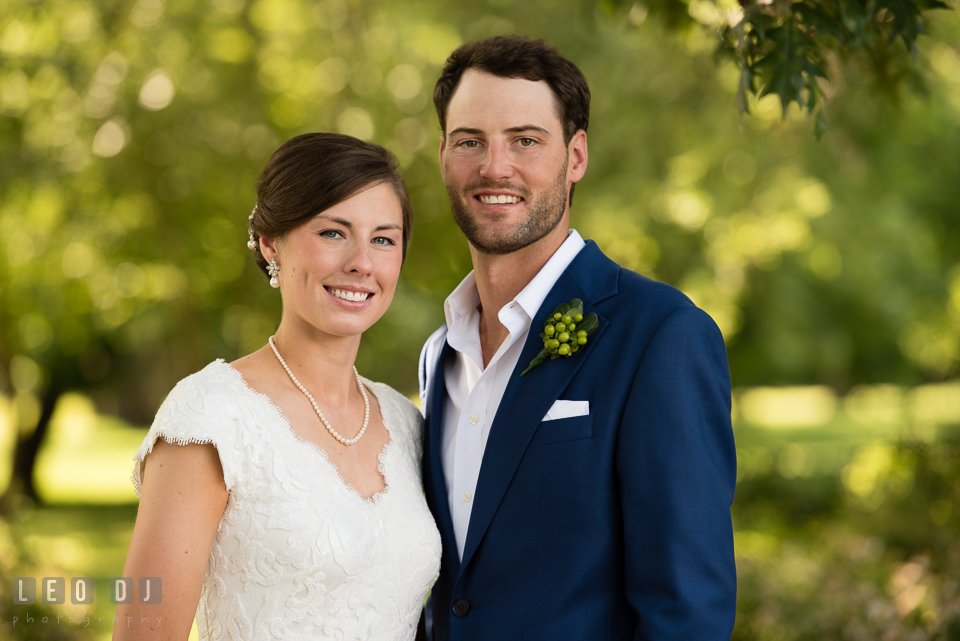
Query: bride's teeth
{"type": "Point", "coordinates": [355, 297]}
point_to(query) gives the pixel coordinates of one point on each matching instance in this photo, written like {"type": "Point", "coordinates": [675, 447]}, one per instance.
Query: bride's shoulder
{"type": "Point", "coordinates": [397, 408]}
{"type": "Point", "coordinates": [206, 391]}
{"type": "Point", "coordinates": [205, 407]}
{"type": "Point", "coordinates": [216, 376]}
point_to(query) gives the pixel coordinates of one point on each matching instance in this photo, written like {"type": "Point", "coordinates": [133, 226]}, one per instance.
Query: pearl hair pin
{"type": "Point", "coordinates": [252, 243]}
{"type": "Point", "coordinates": [323, 419]}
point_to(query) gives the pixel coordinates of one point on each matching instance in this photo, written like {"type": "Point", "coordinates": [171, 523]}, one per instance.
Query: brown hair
{"type": "Point", "coordinates": [311, 173]}
{"type": "Point", "coordinates": [519, 57]}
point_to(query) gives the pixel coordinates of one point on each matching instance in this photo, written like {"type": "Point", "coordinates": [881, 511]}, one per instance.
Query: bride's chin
{"type": "Point", "coordinates": [347, 328]}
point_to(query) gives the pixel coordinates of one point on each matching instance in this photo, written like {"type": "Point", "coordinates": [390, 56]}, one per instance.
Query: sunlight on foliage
{"type": "Point", "coordinates": [788, 407]}
{"type": "Point", "coordinates": [132, 135]}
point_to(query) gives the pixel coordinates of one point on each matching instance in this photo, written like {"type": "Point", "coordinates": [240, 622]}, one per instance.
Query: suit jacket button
{"type": "Point", "coordinates": [461, 607]}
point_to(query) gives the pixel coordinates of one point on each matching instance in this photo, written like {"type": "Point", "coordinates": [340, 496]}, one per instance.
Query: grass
{"type": "Point", "coordinates": [77, 541]}
{"type": "Point", "coordinates": [84, 526]}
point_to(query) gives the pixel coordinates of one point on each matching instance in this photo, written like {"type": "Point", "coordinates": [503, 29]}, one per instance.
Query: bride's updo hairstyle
{"type": "Point", "coordinates": [311, 173]}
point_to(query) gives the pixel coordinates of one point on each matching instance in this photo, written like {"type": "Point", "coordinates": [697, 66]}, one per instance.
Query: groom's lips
{"type": "Point", "coordinates": [498, 198]}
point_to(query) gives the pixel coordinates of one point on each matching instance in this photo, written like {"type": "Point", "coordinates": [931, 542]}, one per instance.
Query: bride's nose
{"type": "Point", "coordinates": [359, 260]}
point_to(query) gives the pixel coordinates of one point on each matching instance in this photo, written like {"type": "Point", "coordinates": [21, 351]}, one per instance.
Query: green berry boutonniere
{"type": "Point", "coordinates": [565, 332]}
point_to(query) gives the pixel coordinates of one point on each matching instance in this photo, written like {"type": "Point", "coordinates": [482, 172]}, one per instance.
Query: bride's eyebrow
{"type": "Point", "coordinates": [349, 225]}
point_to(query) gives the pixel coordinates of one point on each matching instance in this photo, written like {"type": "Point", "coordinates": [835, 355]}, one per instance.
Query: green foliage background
{"type": "Point", "coordinates": [131, 134]}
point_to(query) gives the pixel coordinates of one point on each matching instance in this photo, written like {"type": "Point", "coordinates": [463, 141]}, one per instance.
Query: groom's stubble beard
{"type": "Point", "coordinates": [543, 216]}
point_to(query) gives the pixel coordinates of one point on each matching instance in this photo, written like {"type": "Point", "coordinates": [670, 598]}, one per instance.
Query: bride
{"type": "Point", "coordinates": [280, 494]}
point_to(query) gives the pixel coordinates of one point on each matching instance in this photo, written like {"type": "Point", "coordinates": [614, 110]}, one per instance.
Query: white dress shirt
{"type": "Point", "coordinates": [474, 392]}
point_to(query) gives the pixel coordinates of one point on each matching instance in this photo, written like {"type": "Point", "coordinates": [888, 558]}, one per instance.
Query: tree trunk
{"type": "Point", "coordinates": [25, 455]}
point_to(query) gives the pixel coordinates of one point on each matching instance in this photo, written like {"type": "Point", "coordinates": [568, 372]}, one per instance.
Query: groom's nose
{"type": "Point", "coordinates": [496, 163]}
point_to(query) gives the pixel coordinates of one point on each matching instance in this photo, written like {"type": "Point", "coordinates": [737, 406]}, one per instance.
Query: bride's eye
{"type": "Point", "coordinates": [331, 233]}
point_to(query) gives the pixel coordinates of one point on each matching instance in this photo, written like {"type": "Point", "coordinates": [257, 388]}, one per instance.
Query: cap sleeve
{"type": "Point", "coordinates": [200, 409]}
{"type": "Point", "coordinates": [402, 415]}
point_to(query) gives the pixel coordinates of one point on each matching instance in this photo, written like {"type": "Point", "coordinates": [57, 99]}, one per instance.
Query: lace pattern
{"type": "Point", "coordinates": [300, 554]}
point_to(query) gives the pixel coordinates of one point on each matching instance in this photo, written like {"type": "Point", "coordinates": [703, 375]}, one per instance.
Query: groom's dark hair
{"type": "Point", "coordinates": [519, 57]}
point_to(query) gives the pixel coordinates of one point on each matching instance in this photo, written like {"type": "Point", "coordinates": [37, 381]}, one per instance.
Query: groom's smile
{"type": "Point", "coordinates": [495, 200]}
{"type": "Point", "coordinates": [501, 199]}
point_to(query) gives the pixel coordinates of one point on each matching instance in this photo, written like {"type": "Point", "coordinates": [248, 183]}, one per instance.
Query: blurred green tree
{"type": "Point", "coordinates": [131, 135]}
{"type": "Point", "coordinates": [785, 47]}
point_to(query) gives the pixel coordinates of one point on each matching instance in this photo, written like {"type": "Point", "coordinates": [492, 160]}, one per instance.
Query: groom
{"type": "Point", "coordinates": [589, 499]}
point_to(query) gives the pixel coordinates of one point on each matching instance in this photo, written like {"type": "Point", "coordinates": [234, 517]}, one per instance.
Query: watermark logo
{"type": "Point", "coordinates": [122, 590]}
{"type": "Point", "coordinates": [151, 590]}
{"type": "Point", "coordinates": [81, 589]}
{"type": "Point", "coordinates": [24, 590]}
{"type": "Point", "coordinates": [53, 590]}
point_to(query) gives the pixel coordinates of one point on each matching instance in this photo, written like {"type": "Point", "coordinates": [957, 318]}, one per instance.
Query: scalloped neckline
{"type": "Point", "coordinates": [375, 498]}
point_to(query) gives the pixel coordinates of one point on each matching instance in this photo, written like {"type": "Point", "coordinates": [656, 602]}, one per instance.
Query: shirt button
{"type": "Point", "coordinates": [474, 420]}
{"type": "Point", "coordinates": [467, 497]}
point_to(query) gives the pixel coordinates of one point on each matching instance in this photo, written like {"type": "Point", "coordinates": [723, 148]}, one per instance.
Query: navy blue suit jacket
{"type": "Point", "coordinates": [615, 525]}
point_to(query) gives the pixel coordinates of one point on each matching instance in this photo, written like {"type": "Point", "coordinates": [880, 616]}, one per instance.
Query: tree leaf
{"type": "Point", "coordinates": [820, 125]}
{"type": "Point", "coordinates": [822, 22]}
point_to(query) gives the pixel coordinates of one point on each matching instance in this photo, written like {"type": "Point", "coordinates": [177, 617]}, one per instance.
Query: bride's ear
{"type": "Point", "coordinates": [269, 247]}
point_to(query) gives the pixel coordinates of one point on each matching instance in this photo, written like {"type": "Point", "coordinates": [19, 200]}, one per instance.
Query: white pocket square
{"type": "Point", "coordinates": [567, 409]}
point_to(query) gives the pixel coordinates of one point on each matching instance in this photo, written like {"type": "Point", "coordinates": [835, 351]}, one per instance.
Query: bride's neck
{"type": "Point", "coordinates": [320, 361]}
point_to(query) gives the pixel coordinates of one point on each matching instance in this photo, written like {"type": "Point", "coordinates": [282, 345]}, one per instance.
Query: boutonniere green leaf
{"type": "Point", "coordinates": [565, 331]}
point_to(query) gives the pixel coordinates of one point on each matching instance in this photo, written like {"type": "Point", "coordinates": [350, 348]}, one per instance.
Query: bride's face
{"type": "Point", "coordinates": [339, 270]}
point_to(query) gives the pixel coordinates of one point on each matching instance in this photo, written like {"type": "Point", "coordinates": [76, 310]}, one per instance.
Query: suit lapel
{"type": "Point", "coordinates": [526, 400]}
{"type": "Point", "coordinates": [433, 464]}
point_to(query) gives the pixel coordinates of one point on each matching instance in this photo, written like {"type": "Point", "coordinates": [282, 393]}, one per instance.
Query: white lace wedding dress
{"type": "Point", "coordinates": [298, 553]}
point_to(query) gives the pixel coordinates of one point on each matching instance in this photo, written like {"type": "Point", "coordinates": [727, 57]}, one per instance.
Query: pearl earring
{"type": "Point", "coordinates": [274, 270]}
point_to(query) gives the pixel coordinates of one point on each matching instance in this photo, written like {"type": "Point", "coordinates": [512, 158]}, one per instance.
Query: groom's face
{"type": "Point", "coordinates": [505, 162]}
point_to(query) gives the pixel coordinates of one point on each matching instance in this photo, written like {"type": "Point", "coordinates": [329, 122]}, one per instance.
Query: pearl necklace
{"type": "Point", "coordinates": [323, 419]}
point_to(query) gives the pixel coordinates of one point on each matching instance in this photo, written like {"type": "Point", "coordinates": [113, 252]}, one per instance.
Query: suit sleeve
{"type": "Point", "coordinates": [676, 463]}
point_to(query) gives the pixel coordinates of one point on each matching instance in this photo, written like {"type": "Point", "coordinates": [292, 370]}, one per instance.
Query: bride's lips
{"type": "Point", "coordinates": [341, 296]}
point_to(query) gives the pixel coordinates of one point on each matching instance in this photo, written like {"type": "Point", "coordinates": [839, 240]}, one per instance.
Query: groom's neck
{"type": "Point", "coordinates": [500, 278]}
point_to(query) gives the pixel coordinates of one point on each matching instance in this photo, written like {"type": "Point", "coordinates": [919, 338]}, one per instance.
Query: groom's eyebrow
{"type": "Point", "coordinates": [471, 131]}
{"type": "Point", "coordinates": [523, 128]}
{"type": "Point", "coordinates": [349, 225]}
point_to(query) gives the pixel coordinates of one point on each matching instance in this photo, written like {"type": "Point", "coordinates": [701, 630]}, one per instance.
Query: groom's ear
{"type": "Point", "coordinates": [577, 156]}
{"type": "Point", "coordinates": [443, 146]}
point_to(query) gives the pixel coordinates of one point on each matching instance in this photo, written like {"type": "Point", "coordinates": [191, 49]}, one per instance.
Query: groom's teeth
{"type": "Point", "coordinates": [500, 200]}
{"type": "Point", "coordinates": [355, 297]}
